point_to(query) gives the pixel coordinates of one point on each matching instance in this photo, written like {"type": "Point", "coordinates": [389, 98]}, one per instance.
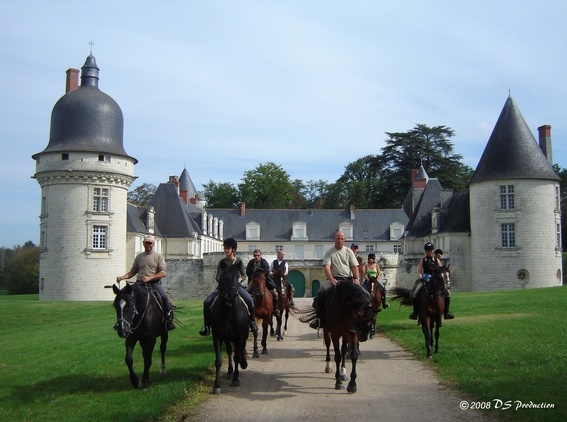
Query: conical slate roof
{"type": "Point", "coordinates": [186, 184]}
{"type": "Point", "coordinates": [512, 151]}
{"type": "Point", "coordinates": [87, 119]}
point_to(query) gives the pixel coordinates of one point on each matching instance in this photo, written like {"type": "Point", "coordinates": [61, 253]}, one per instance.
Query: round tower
{"type": "Point", "coordinates": [515, 211]}
{"type": "Point", "coordinates": [84, 174]}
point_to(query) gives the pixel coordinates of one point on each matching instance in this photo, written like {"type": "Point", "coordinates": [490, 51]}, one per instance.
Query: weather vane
{"type": "Point", "coordinates": [91, 43]}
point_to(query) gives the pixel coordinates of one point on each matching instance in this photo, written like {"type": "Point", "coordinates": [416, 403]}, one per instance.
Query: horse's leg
{"type": "Point", "coordinates": [134, 380]}
{"type": "Point", "coordinates": [351, 388]}
{"type": "Point", "coordinates": [327, 340]}
{"type": "Point", "coordinates": [255, 353]}
{"type": "Point", "coordinates": [425, 327]}
{"type": "Point", "coordinates": [147, 351]}
{"type": "Point", "coordinates": [344, 351]}
{"type": "Point", "coordinates": [162, 349]}
{"type": "Point", "coordinates": [228, 346]}
{"type": "Point", "coordinates": [279, 324]}
{"type": "Point", "coordinates": [338, 358]}
{"type": "Point", "coordinates": [238, 360]}
{"type": "Point", "coordinates": [265, 336]}
{"type": "Point", "coordinates": [217, 343]}
{"type": "Point", "coordinates": [286, 318]}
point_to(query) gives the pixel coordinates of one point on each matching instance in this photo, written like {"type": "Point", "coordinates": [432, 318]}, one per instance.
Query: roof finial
{"type": "Point", "coordinates": [91, 43]}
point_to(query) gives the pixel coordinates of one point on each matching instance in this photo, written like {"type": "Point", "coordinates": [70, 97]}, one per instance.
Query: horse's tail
{"type": "Point", "coordinates": [306, 314]}
{"type": "Point", "coordinates": [402, 294]}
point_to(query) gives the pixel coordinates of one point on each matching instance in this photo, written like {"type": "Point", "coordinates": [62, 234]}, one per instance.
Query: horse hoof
{"type": "Point", "coordinates": [280, 338]}
{"type": "Point", "coordinates": [265, 351]}
{"type": "Point", "coordinates": [344, 377]}
{"type": "Point", "coordinates": [244, 364]}
{"type": "Point", "coordinates": [216, 390]}
{"type": "Point", "coordinates": [235, 383]}
{"type": "Point", "coordinates": [351, 389]}
{"type": "Point", "coordinates": [255, 355]}
{"type": "Point", "coordinates": [339, 386]}
{"type": "Point", "coordinates": [328, 370]}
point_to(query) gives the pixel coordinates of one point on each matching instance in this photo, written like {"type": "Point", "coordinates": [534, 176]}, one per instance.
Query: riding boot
{"type": "Point", "coordinates": [275, 296]}
{"type": "Point", "coordinates": [413, 315]}
{"type": "Point", "coordinates": [319, 311]}
{"type": "Point", "coordinates": [253, 326]}
{"type": "Point", "coordinates": [448, 315]}
{"type": "Point", "coordinates": [169, 325]}
{"type": "Point", "coordinates": [383, 291]}
{"type": "Point", "coordinates": [206, 330]}
{"type": "Point", "coordinates": [290, 291]}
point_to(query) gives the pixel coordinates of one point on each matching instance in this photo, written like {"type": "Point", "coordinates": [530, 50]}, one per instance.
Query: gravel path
{"type": "Point", "coordinates": [290, 384]}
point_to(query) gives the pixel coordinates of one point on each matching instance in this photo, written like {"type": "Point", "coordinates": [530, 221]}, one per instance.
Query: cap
{"type": "Point", "coordinates": [353, 245]}
{"type": "Point", "coordinates": [438, 252]}
{"type": "Point", "coordinates": [149, 239]}
{"type": "Point", "coordinates": [428, 246]}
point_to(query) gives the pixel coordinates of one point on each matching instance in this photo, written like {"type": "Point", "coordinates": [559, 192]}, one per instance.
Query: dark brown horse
{"type": "Point", "coordinates": [264, 304]}
{"type": "Point", "coordinates": [140, 319]}
{"type": "Point", "coordinates": [376, 299]}
{"type": "Point", "coordinates": [284, 300]}
{"type": "Point", "coordinates": [431, 305]}
{"type": "Point", "coordinates": [348, 316]}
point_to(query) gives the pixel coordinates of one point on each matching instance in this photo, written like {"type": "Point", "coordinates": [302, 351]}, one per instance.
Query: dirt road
{"type": "Point", "coordinates": [290, 384]}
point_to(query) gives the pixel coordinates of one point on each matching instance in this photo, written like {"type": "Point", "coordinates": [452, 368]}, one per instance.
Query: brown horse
{"type": "Point", "coordinates": [284, 300]}
{"type": "Point", "coordinates": [348, 315]}
{"type": "Point", "coordinates": [376, 298]}
{"type": "Point", "coordinates": [431, 305]}
{"type": "Point", "coordinates": [264, 304]}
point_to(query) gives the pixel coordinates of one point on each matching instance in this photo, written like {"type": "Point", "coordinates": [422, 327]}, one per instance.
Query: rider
{"type": "Point", "coordinates": [448, 315]}
{"type": "Point", "coordinates": [373, 270]}
{"type": "Point", "coordinates": [280, 264]}
{"type": "Point", "coordinates": [150, 267]}
{"type": "Point", "coordinates": [339, 263]}
{"type": "Point", "coordinates": [230, 245]}
{"type": "Point", "coordinates": [257, 263]}
{"type": "Point", "coordinates": [425, 270]}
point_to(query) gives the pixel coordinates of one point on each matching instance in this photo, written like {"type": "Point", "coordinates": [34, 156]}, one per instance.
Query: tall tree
{"type": "Point", "coordinates": [142, 195]}
{"type": "Point", "coordinates": [267, 186]}
{"type": "Point", "coordinates": [22, 273]}
{"type": "Point", "coordinates": [221, 195]}
{"type": "Point", "coordinates": [361, 183]}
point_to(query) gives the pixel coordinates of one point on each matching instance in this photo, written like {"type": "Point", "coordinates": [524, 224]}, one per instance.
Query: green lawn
{"type": "Point", "coordinates": [61, 361]}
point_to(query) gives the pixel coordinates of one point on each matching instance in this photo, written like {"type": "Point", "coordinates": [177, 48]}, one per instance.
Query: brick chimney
{"type": "Point", "coordinates": [175, 181]}
{"type": "Point", "coordinates": [243, 209]}
{"type": "Point", "coordinates": [416, 182]}
{"type": "Point", "coordinates": [72, 82]}
{"type": "Point", "coordinates": [545, 142]}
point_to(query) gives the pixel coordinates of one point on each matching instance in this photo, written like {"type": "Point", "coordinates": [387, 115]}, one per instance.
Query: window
{"type": "Point", "coordinates": [507, 197]}
{"type": "Point", "coordinates": [299, 231]}
{"type": "Point", "coordinates": [65, 156]}
{"type": "Point", "coordinates": [319, 252]}
{"type": "Point", "coordinates": [396, 230]}
{"type": "Point", "coordinates": [100, 199]}
{"type": "Point", "coordinates": [100, 237]}
{"type": "Point", "coordinates": [103, 157]}
{"type": "Point", "coordinates": [279, 248]}
{"type": "Point", "coordinates": [252, 231]}
{"type": "Point", "coordinates": [369, 248]}
{"type": "Point", "coordinates": [558, 235]}
{"type": "Point", "coordinates": [508, 235]}
{"type": "Point", "coordinates": [346, 228]}
{"type": "Point", "coordinates": [557, 199]}
{"type": "Point", "coordinates": [298, 250]}
{"type": "Point", "coordinates": [398, 248]}
{"type": "Point", "coordinates": [251, 248]}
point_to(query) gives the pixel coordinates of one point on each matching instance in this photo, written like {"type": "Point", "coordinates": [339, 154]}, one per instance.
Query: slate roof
{"type": "Point", "coordinates": [512, 151]}
{"type": "Point", "coordinates": [276, 225]}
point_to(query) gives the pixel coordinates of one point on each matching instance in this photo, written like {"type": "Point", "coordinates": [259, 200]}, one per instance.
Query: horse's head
{"type": "Point", "coordinates": [126, 312]}
{"type": "Point", "coordinates": [355, 300]}
{"type": "Point", "coordinates": [441, 278]}
{"type": "Point", "coordinates": [259, 283]}
{"type": "Point", "coordinates": [228, 281]}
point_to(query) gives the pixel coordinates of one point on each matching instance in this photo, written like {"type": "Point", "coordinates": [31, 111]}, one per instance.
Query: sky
{"type": "Point", "coordinates": [219, 87]}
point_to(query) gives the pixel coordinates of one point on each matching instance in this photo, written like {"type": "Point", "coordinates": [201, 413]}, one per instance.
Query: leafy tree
{"type": "Point", "coordinates": [22, 273]}
{"type": "Point", "coordinates": [142, 195]}
{"type": "Point", "coordinates": [267, 186]}
{"type": "Point", "coordinates": [361, 183]}
{"type": "Point", "coordinates": [221, 195]}
{"type": "Point", "coordinates": [562, 173]}
{"type": "Point", "coordinates": [428, 146]}
{"type": "Point", "coordinates": [314, 192]}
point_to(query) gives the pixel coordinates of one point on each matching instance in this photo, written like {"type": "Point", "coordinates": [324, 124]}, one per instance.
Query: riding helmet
{"type": "Point", "coordinates": [438, 252]}
{"type": "Point", "coordinates": [230, 243]}
{"type": "Point", "coordinates": [429, 246]}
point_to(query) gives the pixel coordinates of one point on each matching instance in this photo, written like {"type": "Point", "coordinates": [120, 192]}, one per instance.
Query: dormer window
{"type": "Point", "coordinates": [346, 228]}
{"type": "Point", "coordinates": [252, 231]}
{"type": "Point", "coordinates": [299, 231]}
{"type": "Point", "coordinates": [396, 230]}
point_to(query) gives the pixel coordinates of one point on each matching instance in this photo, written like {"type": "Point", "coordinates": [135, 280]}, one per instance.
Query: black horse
{"type": "Point", "coordinates": [348, 315]}
{"type": "Point", "coordinates": [140, 318]}
{"type": "Point", "coordinates": [431, 305]}
{"type": "Point", "coordinates": [229, 324]}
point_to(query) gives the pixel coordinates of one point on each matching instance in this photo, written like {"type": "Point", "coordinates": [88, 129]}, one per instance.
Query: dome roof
{"type": "Point", "coordinates": [87, 119]}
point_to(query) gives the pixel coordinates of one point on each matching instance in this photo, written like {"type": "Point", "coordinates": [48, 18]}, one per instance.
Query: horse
{"type": "Point", "coordinates": [264, 304]}
{"type": "Point", "coordinates": [431, 305]}
{"type": "Point", "coordinates": [284, 299]}
{"type": "Point", "coordinates": [140, 319]}
{"type": "Point", "coordinates": [348, 315]}
{"type": "Point", "coordinates": [229, 325]}
{"type": "Point", "coordinates": [376, 298]}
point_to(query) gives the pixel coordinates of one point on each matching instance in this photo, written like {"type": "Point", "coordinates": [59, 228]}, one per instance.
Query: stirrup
{"type": "Point", "coordinates": [449, 315]}
{"type": "Point", "coordinates": [413, 316]}
{"type": "Point", "coordinates": [385, 305]}
{"type": "Point", "coordinates": [315, 324]}
{"type": "Point", "coordinates": [205, 331]}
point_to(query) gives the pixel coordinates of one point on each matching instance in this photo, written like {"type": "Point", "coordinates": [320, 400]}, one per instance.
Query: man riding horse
{"type": "Point", "coordinates": [280, 265]}
{"type": "Point", "coordinates": [427, 266]}
{"type": "Point", "coordinates": [257, 263]}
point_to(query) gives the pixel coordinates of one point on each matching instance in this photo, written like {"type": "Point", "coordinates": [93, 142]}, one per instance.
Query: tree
{"type": "Point", "coordinates": [428, 146]}
{"type": "Point", "coordinates": [267, 186]}
{"type": "Point", "coordinates": [221, 195]}
{"type": "Point", "coordinates": [142, 195]}
{"type": "Point", "coordinates": [361, 184]}
{"type": "Point", "coordinates": [22, 273]}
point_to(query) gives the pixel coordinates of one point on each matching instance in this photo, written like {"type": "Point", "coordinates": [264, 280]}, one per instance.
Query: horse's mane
{"type": "Point", "coordinates": [351, 296]}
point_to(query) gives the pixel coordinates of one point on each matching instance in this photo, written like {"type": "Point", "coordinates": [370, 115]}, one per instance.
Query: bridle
{"type": "Point", "coordinates": [135, 313]}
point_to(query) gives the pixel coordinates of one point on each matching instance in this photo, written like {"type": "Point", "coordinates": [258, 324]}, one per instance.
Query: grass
{"type": "Point", "coordinates": [508, 346]}
{"type": "Point", "coordinates": [61, 361]}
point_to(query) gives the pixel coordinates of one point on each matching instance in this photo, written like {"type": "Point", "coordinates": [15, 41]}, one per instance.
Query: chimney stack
{"type": "Point", "coordinates": [545, 142]}
{"type": "Point", "coordinates": [72, 82]}
{"type": "Point", "coordinates": [243, 209]}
